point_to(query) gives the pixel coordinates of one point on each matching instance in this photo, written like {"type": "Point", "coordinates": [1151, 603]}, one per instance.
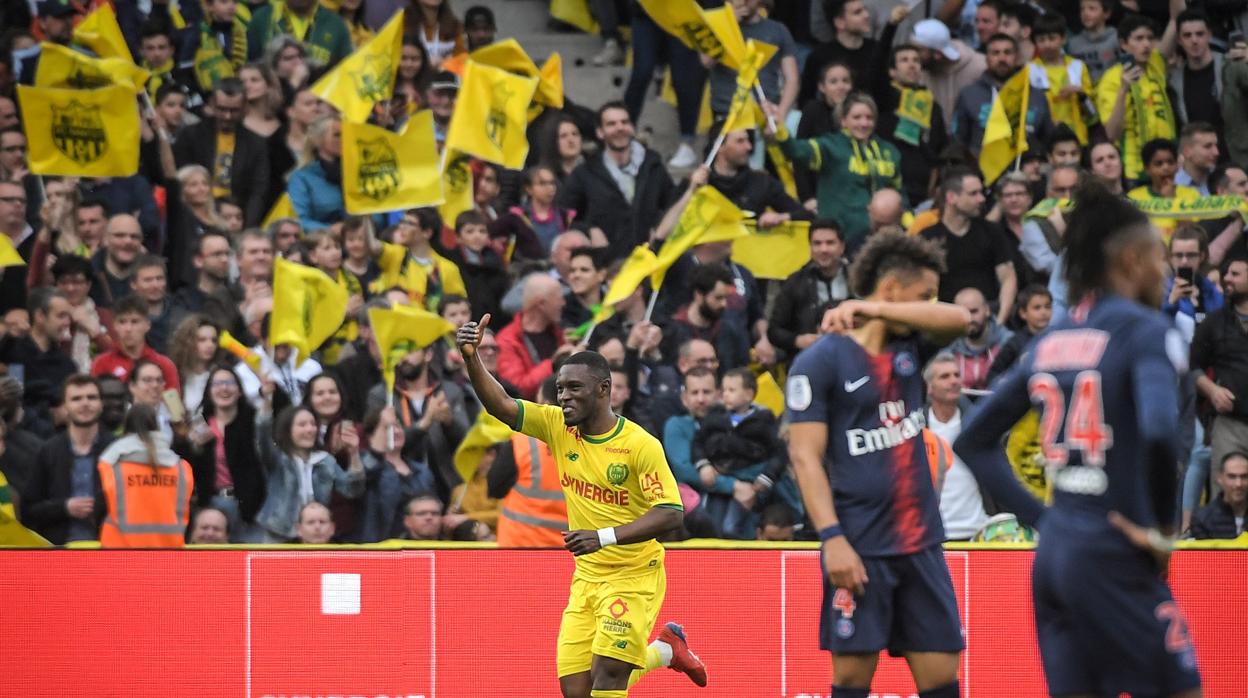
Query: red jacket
{"type": "Point", "coordinates": [517, 364]}
{"type": "Point", "coordinates": [116, 363]}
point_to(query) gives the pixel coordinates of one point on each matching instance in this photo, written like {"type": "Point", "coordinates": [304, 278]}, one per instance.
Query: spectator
{"type": "Point", "coordinates": [471, 501]}
{"type": "Point", "coordinates": [360, 249]}
{"type": "Point", "coordinates": [961, 503]}
{"type": "Point", "coordinates": [220, 44]}
{"type": "Point", "coordinates": [1224, 517]}
{"type": "Point", "coordinates": [13, 224]}
{"type": "Point", "coordinates": [130, 196]}
{"type": "Point", "coordinates": [417, 231]}
{"type": "Point", "coordinates": [532, 226]}
{"type": "Point", "coordinates": [391, 478]}
{"type": "Point", "coordinates": [156, 52]}
{"type": "Point", "coordinates": [297, 472]}
{"type": "Point", "coordinates": [1035, 310]}
{"type": "Point", "coordinates": [440, 96]}
{"type": "Point", "coordinates": [437, 26]}
{"type": "Point", "coordinates": [352, 14]}
{"type": "Point", "coordinates": [63, 501]}
{"type": "Point", "coordinates": [885, 210]}
{"type": "Point", "coordinates": [8, 113]}
{"type": "Point", "coordinates": [481, 267]}
{"type": "Point", "coordinates": [193, 350]}
{"type": "Point", "coordinates": [146, 385]}
{"type": "Point", "coordinates": [1097, 44]}
{"type": "Point", "coordinates": [71, 275]}
{"type": "Point", "coordinates": [948, 64]}
{"type": "Point", "coordinates": [56, 230]}
{"type": "Point", "coordinates": [1198, 144]}
{"type": "Point", "coordinates": [1042, 236]}
{"type": "Point", "coordinates": [360, 371]}
{"type": "Point", "coordinates": [123, 241]}
{"type": "Point", "coordinates": [819, 117]}
{"type": "Point", "coordinates": [852, 46]}
{"type": "Point", "coordinates": [90, 223]}
{"type": "Point", "coordinates": [280, 363]}
{"type": "Point", "coordinates": [1220, 358]}
{"type": "Point", "coordinates": [1235, 102]}
{"type": "Point", "coordinates": [560, 146]}
{"type": "Point", "coordinates": [327, 38]}
{"type": "Point", "coordinates": [434, 413]}
{"type": "Point", "coordinates": [1131, 99]}
{"type": "Point", "coordinates": [778, 78]}
{"type": "Point", "coordinates": [1013, 203]}
{"type": "Point", "coordinates": [751, 190]}
{"type": "Point", "coordinates": [806, 294]}
{"type": "Point", "coordinates": [316, 187]}
{"type": "Point", "coordinates": [285, 233]}
{"type": "Point", "coordinates": [586, 288]}
{"type": "Point", "coordinates": [237, 158]}
{"type": "Point", "coordinates": [37, 359]}
{"type": "Point", "coordinates": [852, 164]}
{"type": "Point", "coordinates": [650, 44]}
{"type": "Point", "coordinates": [192, 213]}
{"type": "Point", "coordinates": [983, 341]}
{"type": "Point", "coordinates": [921, 131]}
{"type": "Point", "coordinates": [422, 518]}
{"type": "Point", "coordinates": [1160, 158]}
{"type": "Point", "coordinates": [533, 341]}
{"type": "Point", "coordinates": [1068, 82]}
{"type": "Point", "coordinates": [209, 527]}
{"type": "Point", "coordinates": [415, 68]}
{"type": "Point", "coordinates": [777, 523]}
{"type": "Point", "coordinates": [221, 449]}
{"type": "Point", "coordinates": [148, 284]}
{"type": "Point", "coordinates": [977, 253]}
{"type": "Point", "coordinates": [315, 525]}
{"type": "Point", "coordinates": [1196, 79]}
{"type": "Point", "coordinates": [703, 317]}
{"type": "Point", "coordinates": [970, 114]}
{"type": "Point", "coordinates": [1227, 234]}
{"type": "Point", "coordinates": [131, 324]}
{"type": "Point", "coordinates": [624, 191]}
{"type": "Point", "coordinates": [1189, 290]}
{"type": "Point", "coordinates": [210, 293]}
{"type": "Point", "coordinates": [147, 488]}
{"type": "Point", "coordinates": [325, 254]}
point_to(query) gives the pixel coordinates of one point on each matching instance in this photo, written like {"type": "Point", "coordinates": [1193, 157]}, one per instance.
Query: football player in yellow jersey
{"type": "Point", "coordinates": [621, 495]}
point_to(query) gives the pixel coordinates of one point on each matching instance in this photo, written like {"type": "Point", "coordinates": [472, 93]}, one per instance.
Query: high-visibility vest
{"type": "Point", "coordinates": [534, 513]}
{"type": "Point", "coordinates": [939, 457]}
{"type": "Point", "coordinates": [148, 506]}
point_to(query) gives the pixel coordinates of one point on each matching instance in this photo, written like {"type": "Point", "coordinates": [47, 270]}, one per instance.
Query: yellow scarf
{"type": "Point", "coordinates": [211, 63]}
{"type": "Point", "coordinates": [914, 112]}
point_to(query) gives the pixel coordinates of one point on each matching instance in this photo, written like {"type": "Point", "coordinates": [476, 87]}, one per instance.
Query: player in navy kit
{"type": "Point", "coordinates": [1105, 383]}
{"type": "Point", "coordinates": [855, 402]}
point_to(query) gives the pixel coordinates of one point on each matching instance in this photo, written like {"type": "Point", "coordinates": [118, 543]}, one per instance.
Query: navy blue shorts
{"type": "Point", "coordinates": [908, 606]}
{"type": "Point", "coordinates": [1106, 621]}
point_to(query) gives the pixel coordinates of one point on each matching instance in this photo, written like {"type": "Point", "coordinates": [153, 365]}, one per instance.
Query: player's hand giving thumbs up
{"type": "Point", "coordinates": [469, 336]}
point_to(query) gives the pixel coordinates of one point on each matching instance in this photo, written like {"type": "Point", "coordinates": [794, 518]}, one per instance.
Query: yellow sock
{"type": "Point", "coordinates": [596, 693]}
{"type": "Point", "coordinates": [653, 660]}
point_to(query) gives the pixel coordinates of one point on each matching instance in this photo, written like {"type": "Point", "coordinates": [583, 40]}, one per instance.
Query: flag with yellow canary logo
{"type": "Point", "coordinates": [456, 187]}
{"type": "Point", "coordinates": [744, 111]}
{"type": "Point", "coordinates": [510, 56]}
{"type": "Point", "coordinates": [491, 116]}
{"type": "Point", "coordinates": [366, 76]}
{"type": "Point", "coordinates": [81, 133]}
{"type": "Point", "coordinates": [308, 307]}
{"type": "Point", "coordinates": [100, 32]}
{"type": "Point", "coordinates": [773, 253]}
{"type": "Point", "coordinates": [12, 533]}
{"type": "Point", "coordinates": [484, 433]}
{"type": "Point", "coordinates": [709, 217]}
{"type": "Point", "coordinates": [686, 21]}
{"type": "Point", "coordinates": [387, 171]}
{"type": "Point", "coordinates": [60, 66]}
{"type": "Point", "coordinates": [402, 330]}
{"type": "Point", "coordinates": [1005, 134]}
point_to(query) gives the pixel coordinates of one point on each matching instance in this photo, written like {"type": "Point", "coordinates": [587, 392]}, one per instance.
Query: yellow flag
{"type": "Point", "coordinates": [769, 394]}
{"type": "Point", "coordinates": [709, 215]}
{"type": "Point", "coordinates": [81, 133]}
{"type": "Point", "coordinates": [550, 82]}
{"type": "Point", "coordinates": [9, 256]}
{"type": "Point", "coordinates": [784, 169]}
{"type": "Point", "coordinates": [238, 350]}
{"type": "Point", "coordinates": [484, 433]}
{"type": "Point", "coordinates": [12, 533]}
{"type": "Point", "coordinates": [60, 66]}
{"type": "Point", "coordinates": [282, 208]}
{"type": "Point", "coordinates": [744, 111]}
{"type": "Point", "coordinates": [385, 171]}
{"type": "Point", "coordinates": [722, 22]}
{"type": "Point", "coordinates": [774, 253]}
{"type": "Point", "coordinates": [402, 330]}
{"type": "Point", "coordinates": [640, 264]}
{"type": "Point", "coordinates": [366, 76]}
{"type": "Point", "coordinates": [456, 187]}
{"type": "Point", "coordinates": [574, 12]}
{"type": "Point", "coordinates": [686, 21]}
{"type": "Point", "coordinates": [308, 307]}
{"type": "Point", "coordinates": [508, 55]}
{"type": "Point", "coordinates": [1005, 134]}
{"type": "Point", "coordinates": [100, 32]}
{"type": "Point", "coordinates": [491, 116]}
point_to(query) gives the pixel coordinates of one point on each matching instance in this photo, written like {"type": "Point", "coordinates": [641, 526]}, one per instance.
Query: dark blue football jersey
{"type": "Point", "coordinates": [1104, 381]}
{"type": "Point", "coordinates": [876, 462]}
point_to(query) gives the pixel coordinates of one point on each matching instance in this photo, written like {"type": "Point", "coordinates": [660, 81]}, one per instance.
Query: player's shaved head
{"type": "Point", "coordinates": [593, 362]}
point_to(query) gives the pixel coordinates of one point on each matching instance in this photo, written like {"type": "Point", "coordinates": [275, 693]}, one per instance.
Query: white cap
{"type": "Point", "coordinates": [933, 34]}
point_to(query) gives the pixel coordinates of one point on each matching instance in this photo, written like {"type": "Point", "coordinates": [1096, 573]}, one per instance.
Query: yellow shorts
{"type": "Point", "coordinates": [611, 619]}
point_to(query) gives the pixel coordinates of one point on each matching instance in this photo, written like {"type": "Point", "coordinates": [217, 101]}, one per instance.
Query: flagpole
{"type": "Point", "coordinates": [654, 297]}
{"type": "Point", "coordinates": [762, 99]}
{"type": "Point", "coordinates": [719, 141]}
{"type": "Point", "coordinates": [390, 429]}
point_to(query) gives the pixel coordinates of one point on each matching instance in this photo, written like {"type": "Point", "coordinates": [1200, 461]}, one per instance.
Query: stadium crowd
{"type": "Point", "coordinates": [114, 317]}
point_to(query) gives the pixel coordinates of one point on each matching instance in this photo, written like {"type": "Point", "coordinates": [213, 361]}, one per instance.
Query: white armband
{"type": "Point", "coordinates": [606, 536]}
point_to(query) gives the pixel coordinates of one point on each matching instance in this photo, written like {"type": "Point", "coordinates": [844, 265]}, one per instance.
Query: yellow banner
{"type": "Point", "coordinates": [1005, 135]}
{"type": "Point", "coordinates": [745, 112]}
{"type": "Point", "coordinates": [402, 330]}
{"type": "Point", "coordinates": [60, 66]}
{"type": "Point", "coordinates": [81, 133]}
{"type": "Point", "coordinates": [640, 264]}
{"type": "Point", "coordinates": [100, 32]}
{"type": "Point", "coordinates": [722, 22]}
{"type": "Point", "coordinates": [386, 171]}
{"type": "Point", "coordinates": [769, 394]}
{"type": "Point", "coordinates": [510, 56]}
{"type": "Point", "coordinates": [308, 307]}
{"type": "Point", "coordinates": [491, 116]}
{"type": "Point", "coordinates": [456, 187]}
{"type": "Point", "coordinates": [686, 21]}
{"type": "Point", "coordinates": [1198, 209]}
{"type": "Point", "coordinates": [366, 76]}
{"type": "Point", "coordinates": [773, 253]}
{"type": "Point", "coordinates": [708, 217]}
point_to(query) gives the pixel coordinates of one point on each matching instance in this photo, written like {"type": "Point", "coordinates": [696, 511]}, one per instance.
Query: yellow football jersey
{"type": "Point", "coordinates": [608, 480]}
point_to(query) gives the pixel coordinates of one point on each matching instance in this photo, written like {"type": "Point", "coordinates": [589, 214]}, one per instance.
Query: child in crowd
{"type": "Point", "coordinates": [1035, 310]}
{"type": "Point", "coordinates": [325, 253]}
{"type": "Point", "coordinates": [360, 250]}
{"type": "Point", "coordinates": [1070, 84]}
{"type": "Point", "coordinates": [1097, 44]}
{"type": "Point", "coordinates": [1161, 164]}
{"type": "Point", "coordinates": [480, 265]}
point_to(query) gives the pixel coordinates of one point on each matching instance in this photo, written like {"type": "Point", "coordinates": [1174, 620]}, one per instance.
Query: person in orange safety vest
{"type": "Point", "coordinates": [147, 487]}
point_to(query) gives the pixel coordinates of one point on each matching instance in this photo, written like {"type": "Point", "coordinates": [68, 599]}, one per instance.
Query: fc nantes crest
{"type": "Point", "coordinates": [78, 132]}
{"type": "Point", "coordinates": [378, 169]}
{"type": "Point", "coordinates": [496, 118]}
{"type": "Point", "coordinates": [374, 79]}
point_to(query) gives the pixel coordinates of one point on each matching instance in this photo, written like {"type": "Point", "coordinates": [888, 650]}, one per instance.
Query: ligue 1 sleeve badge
{"type": "Point", "coordinates": [904, 364]}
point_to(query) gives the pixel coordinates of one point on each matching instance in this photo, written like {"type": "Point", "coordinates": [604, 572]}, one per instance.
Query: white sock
{"type": "Point", "coordinates": [665, 651]}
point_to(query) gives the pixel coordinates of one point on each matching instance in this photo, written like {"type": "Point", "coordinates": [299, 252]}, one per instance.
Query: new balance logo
{"type": "Point", "coordinates": [851, 386]}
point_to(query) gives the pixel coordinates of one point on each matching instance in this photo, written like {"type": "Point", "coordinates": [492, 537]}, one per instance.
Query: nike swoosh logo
{"type": "Point", "coordinates": [851, 386]}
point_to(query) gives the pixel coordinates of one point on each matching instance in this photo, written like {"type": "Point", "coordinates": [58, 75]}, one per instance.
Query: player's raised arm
{"type": "Point", "coordinates": [491, 394]}
{"type": "Point", "coordinates": [808, 441]}
{"type": "Point", "coordinates": [940, 321]}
